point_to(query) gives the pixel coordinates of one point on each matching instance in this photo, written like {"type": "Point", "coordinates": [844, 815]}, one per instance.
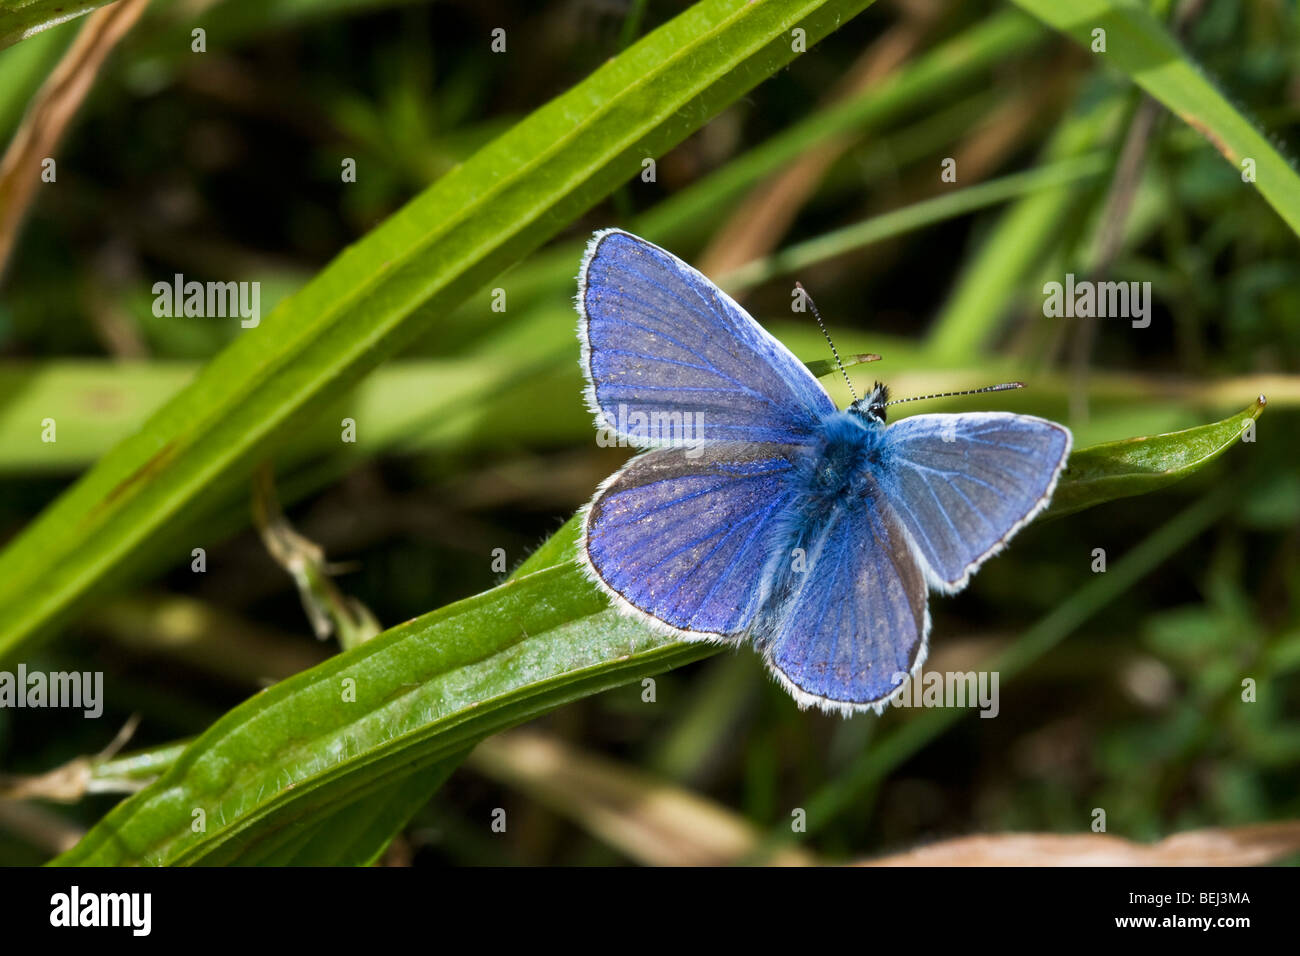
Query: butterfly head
{"type": "Point", "coordinates": [872, 407]}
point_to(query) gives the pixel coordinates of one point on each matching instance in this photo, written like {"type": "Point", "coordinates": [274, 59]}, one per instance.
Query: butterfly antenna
{"type": "Point", "coordinates": [834, 351]}
{"type": "Point", "coordinates": [1004, 387]}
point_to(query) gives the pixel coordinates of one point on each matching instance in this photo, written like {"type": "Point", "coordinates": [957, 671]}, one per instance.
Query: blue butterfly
{"type": "Point", "coordinates": [765, 513]}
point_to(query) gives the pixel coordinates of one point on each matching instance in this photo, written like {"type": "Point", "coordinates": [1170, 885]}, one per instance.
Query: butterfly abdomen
{"type": "Point", "coordinates": [844, 461]}
{"type": "Point", "coordinates": [834, 478]}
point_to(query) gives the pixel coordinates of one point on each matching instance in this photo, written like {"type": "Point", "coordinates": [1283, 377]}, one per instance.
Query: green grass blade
{"type": "Point", "coordinates": [345, 732]}
{"type": "Point", "coordinates": [20, 19]}
{"type": "Point", "coordinates": [1138, 44]}
{"type": "Point", "coordinates": [1136, 466]}
{"type": "Point", "coordinates": [995, 274]}
{"type": "Point", "coordinates": [439, 404]}
{"type": "Point", "coordinates": [959, 202]}
{"type": "Point", "coordinates": [377, 295]}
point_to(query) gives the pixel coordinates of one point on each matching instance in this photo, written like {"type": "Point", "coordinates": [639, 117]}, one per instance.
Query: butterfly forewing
{"type": "Point", "coordinates": [671, 359]}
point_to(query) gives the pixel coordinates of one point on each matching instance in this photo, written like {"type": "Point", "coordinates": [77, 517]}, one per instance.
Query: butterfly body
{"type": "Point", "coordinates": [812, 532]}
{"type": "Point", "coordinates": [836, 471]}
{"type": "Point", "coordinates": [845, 453]}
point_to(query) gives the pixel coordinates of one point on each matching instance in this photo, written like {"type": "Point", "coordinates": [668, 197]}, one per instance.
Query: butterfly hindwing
{"type": "Point", "coordinates": [662, 342]}
{"type": "Point", "coordinates": [856, 621]}
{"type": "Point", "coordinates": [680, 535]}
{"type": "Point", "coordinates": [962, 485]}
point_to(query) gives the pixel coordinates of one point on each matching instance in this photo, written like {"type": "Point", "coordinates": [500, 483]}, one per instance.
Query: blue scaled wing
{"type": "Point", "coordinates": [962, 485]}
{"type": "Point", "coordinates": [854, 624]}
{"type": "Point", "coordinates": [671, 359]}
{"type": "Point", "coordinates": [680, 537]}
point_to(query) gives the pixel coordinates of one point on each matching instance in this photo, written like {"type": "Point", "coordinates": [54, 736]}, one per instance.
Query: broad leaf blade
{"type": "Point", "coordinates": [1136, 466]}
{"type": "Point", "coordinates": [358, 834]}
{"type": "Point", "coordinates": [424, 691]}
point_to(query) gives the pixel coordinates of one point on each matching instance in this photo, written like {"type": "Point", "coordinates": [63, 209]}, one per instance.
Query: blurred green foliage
{"type": "Point", "coordinates": [225, 166]}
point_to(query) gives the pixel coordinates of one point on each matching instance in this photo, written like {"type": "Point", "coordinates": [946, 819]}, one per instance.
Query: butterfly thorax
{"type": "Point", "coordinates": [843, 462]}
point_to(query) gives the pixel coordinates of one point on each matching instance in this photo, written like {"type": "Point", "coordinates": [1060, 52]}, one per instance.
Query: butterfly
{"type": "Point", "coordinates": [762, 512]}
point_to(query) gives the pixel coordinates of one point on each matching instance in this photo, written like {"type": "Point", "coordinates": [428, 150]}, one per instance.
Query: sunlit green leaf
{"type": "Point", "coordinates": [1136, 466]}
